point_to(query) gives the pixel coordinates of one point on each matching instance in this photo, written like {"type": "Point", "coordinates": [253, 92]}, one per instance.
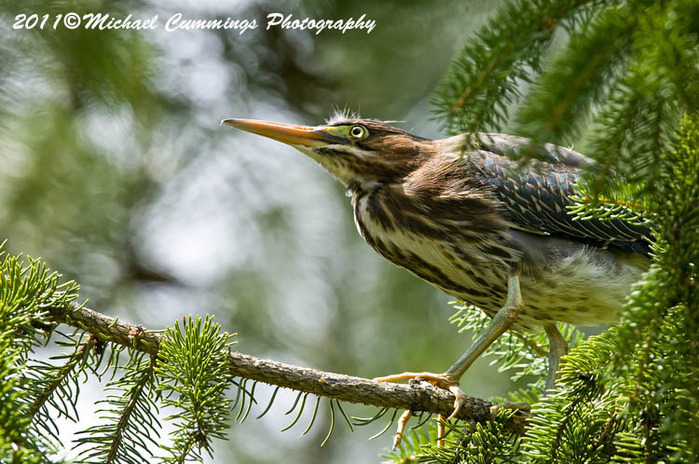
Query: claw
{"type": "Point", "coordinates": [459, 399]}
{"type": "Point", "coordinates": [402, 422]}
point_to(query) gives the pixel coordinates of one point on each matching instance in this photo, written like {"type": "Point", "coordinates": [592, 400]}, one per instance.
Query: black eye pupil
{"type": "Point", "coordinates": [357, 131]}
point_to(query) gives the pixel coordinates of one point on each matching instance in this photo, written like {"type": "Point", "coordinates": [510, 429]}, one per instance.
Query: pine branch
{"type": "Point", "coordinates": [130, 413]}
{"type": "Point", "coordinates": [421, 397]}
{"type": "Point", "coordinates": [193, 374]}
{"type": "Point", "coordinates": [507, 51]}
{"type": "Point", "coordinates": [61, 375]}
{"type": "Point", "coordinates": [562, 97]}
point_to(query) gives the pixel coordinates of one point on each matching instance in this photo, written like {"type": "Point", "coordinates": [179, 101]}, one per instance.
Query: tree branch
{"type": "Point", "coordinates": [415, 397]}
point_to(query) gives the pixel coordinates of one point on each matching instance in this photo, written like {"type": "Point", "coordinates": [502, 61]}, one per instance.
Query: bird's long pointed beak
{"type": "Point", "coordinates": [291, 134]}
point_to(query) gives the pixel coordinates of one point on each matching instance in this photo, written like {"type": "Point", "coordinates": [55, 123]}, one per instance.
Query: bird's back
{"type": "Point", "coordinates": [536, 197]}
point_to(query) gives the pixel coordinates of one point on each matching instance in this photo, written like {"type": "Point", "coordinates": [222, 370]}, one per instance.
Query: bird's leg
{"type": "Point", "coordinates": [441, 429]}
{"type": "Point", "coordinates": [502, 321]}
{"type": "Point", "coordinates": [558, 347]}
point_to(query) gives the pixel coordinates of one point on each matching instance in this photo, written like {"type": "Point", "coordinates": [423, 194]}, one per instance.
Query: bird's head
{"type": "Point", "coordinates": [358, 152]}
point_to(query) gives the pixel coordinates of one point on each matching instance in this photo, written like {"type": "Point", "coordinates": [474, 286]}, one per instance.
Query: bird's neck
{"type": "Point", "coordinates": [356, 188]}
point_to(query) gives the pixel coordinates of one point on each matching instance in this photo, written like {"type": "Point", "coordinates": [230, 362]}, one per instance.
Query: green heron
{"type": "Point", "coordinates": [478, 226]}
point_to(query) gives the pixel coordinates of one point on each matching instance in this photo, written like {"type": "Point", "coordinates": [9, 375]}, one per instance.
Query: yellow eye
{"type": "Point", "coordinates": [358, 132]}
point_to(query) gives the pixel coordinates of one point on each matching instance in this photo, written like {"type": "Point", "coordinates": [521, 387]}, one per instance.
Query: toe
{"type": "Point", "coordinates": [459, 399]}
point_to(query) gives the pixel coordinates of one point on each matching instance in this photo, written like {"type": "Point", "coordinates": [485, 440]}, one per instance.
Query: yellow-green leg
{"type": "Point", "coordinates": [502, 321]}
{"type": "Point", "coordinates": [558, 347]}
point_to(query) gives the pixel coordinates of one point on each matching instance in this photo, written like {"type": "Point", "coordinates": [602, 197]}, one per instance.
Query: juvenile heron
{"type": "Point", "coordinates": [475, 226]}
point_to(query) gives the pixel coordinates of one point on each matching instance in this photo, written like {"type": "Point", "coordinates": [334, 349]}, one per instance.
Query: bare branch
{"type": "Point", "coordinates": [414, 397]}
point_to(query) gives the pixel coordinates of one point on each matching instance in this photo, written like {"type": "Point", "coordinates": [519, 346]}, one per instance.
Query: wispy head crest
{"type": "Point", "coordinates": [345, 114]}
{"type": "Point", "coordinates": [342, 115]}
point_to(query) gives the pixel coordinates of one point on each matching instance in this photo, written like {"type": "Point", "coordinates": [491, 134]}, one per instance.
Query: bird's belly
{"type": "Point", "coordinates": [578, 289]}
{"type": "Point", "coordinates": [584, 288]}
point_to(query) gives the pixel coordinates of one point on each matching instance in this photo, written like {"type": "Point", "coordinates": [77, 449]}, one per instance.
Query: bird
{"type": "Point", "coordinates": [463, 214]}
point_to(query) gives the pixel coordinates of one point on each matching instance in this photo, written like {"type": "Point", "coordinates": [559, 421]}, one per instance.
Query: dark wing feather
{"type": "Point", "coordinates": [536, 196]}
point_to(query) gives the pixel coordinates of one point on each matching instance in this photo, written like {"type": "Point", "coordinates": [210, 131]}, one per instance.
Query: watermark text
{"type": "Point", "coordinates": [180, 22]}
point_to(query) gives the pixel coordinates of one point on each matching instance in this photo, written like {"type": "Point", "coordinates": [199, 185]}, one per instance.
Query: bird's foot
{"type": "Point", "coordinates": [442, 381]}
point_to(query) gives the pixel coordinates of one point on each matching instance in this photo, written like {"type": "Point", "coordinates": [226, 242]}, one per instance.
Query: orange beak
{"type": "Point", "coordinates": [291, 134]}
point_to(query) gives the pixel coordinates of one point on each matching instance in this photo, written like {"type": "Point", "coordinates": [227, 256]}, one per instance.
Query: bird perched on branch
{"type": "Point", "coordinates": [462, 215]}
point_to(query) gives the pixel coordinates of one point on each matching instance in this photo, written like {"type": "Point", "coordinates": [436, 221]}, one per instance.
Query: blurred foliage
{"type": "Point", "coordinates": [115, 171]}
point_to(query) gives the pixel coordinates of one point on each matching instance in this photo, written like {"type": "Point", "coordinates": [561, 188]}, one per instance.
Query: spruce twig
{"type": "Point", "coordinates": [326, 384]}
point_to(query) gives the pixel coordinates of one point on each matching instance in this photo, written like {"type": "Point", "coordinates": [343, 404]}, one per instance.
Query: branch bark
{"type": "Point", "coordinates": [414, 397]}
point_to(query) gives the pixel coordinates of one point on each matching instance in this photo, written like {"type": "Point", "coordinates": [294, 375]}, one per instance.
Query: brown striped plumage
{"type": "Point", "coordinates": [472, 224]}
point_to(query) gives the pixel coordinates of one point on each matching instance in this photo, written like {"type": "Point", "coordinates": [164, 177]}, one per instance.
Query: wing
{"type": "Point", "coordinates": [536, 196]}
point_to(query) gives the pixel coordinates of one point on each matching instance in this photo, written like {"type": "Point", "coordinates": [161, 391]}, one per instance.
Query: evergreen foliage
{"type": "Point", "coordinates": [27, 288]}
{"type": "Point", "coordinates": [130, 425]}
{"type": "Point", "coordinates": [194, 378]}
{"type": "Point", "coordinates": [621, 76]}
{"type": "Point", "coordinates": [626, 75]}
{"type": "Point", "coordinates": [189, 376]}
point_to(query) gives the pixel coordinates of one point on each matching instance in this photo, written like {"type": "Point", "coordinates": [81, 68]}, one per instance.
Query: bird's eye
{"type": "Point", "coordinates": [358, 133]}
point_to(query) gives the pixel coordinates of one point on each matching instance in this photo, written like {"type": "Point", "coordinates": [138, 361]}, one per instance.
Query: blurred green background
{"type": "Point", "coordinates": [114, 169]}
